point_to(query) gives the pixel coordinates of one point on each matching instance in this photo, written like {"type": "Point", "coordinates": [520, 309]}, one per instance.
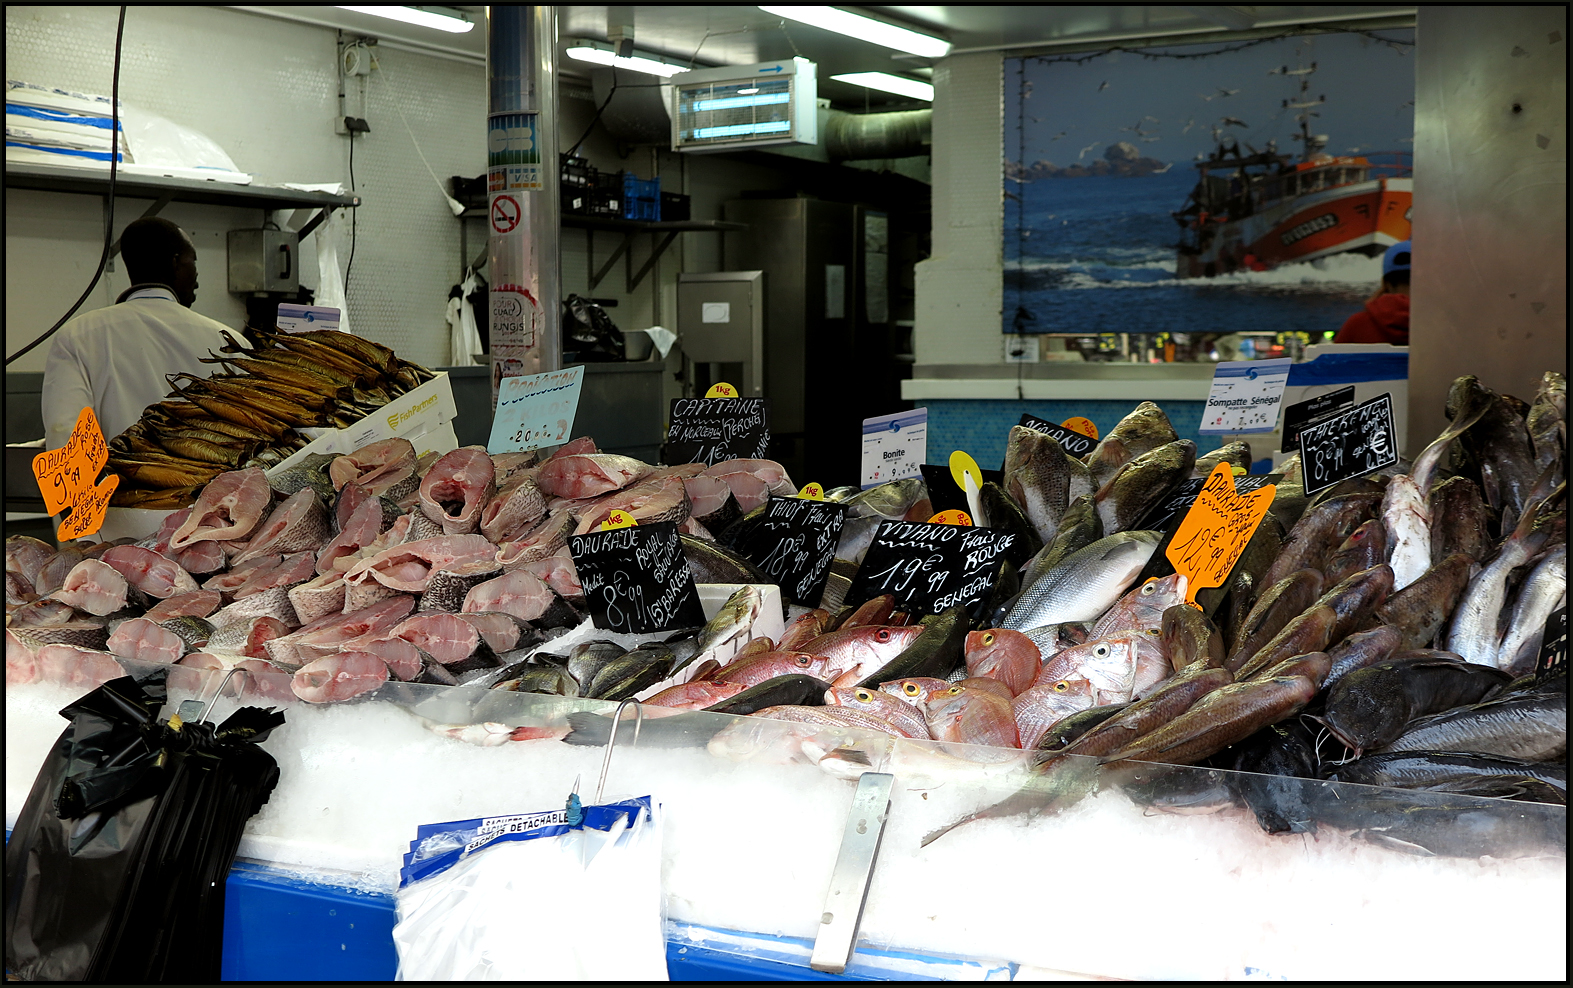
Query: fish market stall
{"type": "Point", "coordinates": [1355, 692]}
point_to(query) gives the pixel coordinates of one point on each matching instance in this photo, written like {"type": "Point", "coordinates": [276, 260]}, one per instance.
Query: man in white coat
{"type": "Point", "coordinates": [116, 359]}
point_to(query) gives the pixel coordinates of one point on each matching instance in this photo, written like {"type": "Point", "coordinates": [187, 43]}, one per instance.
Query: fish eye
{"type": "Point", "coordinates": [988, 638]}
{"type": "Point", "coordinates": [1061, 686]}
{"type": "Point", "coordinates": [910, 688]}
{"type": "Point", "coordinates": [863, 695]}
{"type": "Point", "coordinates": [953, 691]}
{"type": "Point", "coordinates": [1150, 587]}
{"type": "Point", "coordinates": [1100, 651]}
{"type": "Point", "coordinates": [1153, 631]}
{"type": "Point", "coordinates": [803, 660]}
{"type": "Point", "coordinates": [882, 635]}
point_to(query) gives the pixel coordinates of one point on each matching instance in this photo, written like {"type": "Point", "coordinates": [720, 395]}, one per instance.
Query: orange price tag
{"type": "Point", "coordinates": [721, 390]}
{"type": "Point", "coordinates": [618, 519]}
{"type": "Point", "coordinates": [812, 492]}
{"type": "Point", "coordinates": [955, 516]}
{"type": "Point", "coordinates": [1081, 425]}
{"type": "Point", "coordinates": [67, 478]}
{"type": "Point", "coordinates": [1215, 531]}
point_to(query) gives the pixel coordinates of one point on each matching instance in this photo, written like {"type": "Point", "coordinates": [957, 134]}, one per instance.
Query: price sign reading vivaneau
{"type": "Point", "coordinates": [794, 544]}
{"type": "Point", "coordinates": [1216, 530]}
{"type": "Point", "coordinates": [535, 410]}
{"type": "Point", "coordinates": [930, 568]}
{"type": "Point", "coordinates": [636, 580]}
{"type": "Point", "coordinates": [67, 478]}
{"type": "Point", "coordinates": [1349, 445]}
{"type": "Point", "coordinates": [709, 430]}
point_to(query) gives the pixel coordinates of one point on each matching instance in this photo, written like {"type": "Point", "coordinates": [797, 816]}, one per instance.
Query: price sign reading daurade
{"type": "Point", "coordinates": [709, 430]}
{"type": "Point", "coordinates": [636, 579]}
{"type": "Point", "coordinates": [67, 477]}
{"type": "Point", "coordinates": [1182, 497]}
{"type": "Point", "coordinates": [1215, 531]}
{"type": "Point", "coordinates": [1075, 443]}
{"type": "Point", "coordinates": [794, 544]}
{"type": "Point", "coordinates": [535, 410]}
{"type": "Point", "coordinates": [930, 568]}
{"type": "Point", "coordinates": [1349, 445]}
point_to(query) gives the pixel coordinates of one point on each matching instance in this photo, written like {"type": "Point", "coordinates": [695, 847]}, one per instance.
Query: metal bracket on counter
{"type": "Point", "coordinates": [854, 869]}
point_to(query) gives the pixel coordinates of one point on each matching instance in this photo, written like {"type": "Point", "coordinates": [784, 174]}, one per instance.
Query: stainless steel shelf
{"type": "Point", "coordinates": [47, 178]}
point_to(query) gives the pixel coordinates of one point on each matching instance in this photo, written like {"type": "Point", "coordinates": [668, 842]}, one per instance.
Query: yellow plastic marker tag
{"type": "Point", "coordinates": [962, 466]}
{"type": "Point", "coordinates": [66, 477]}
{"type": "Point", "coordinates": [812, 492]}
{"type": "Point", "coordinates": [618, 519]}
{"type": "Point", "coordinates": [721, 390]}
{"type": "Point", "coordinates": [1215, 531]}
{"type": "Point", "coordinates": [1081, 425]}
{"type": "Point", "coordinates": [954, 516]}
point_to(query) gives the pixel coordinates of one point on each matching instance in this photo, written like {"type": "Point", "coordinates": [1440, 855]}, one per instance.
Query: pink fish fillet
{"type": "Point", "coordinates": [159, 540]}
{"type": "Point", "coordinates": [356, 532]}
{"type": "Point", "coordinates": [299, 522]}
{"type": "Point", "coordinates": [228, 508]}
{"type": "Point", "coordinates": [582, 446]}
{"type": "Point", "coordinates": [94, 586]}
{"type": "Point", "coordinates": [324, 595]}
{"type": "Point", "coordinates": [226, 583]}
{"type": "Point", "coordinates": [291, 570]}
{"type": "Point", "coordinates": [706, 495]}
{"type": "Point", "coordinates": [557, 571]}
{"type": "Point", "coordinates": [445, 637]}
{"type": "Point", "coordinates": [72, 666]}
{"type": "Point", "coordinates": [589, 475]}
{"type": "Point", "coordinates": [548, 537]}
{"type": "Point", "coordinates": [773, 474]}
{"type": "Point", "coordinates": [511, 464]}
{"type": "Point", "coordinates": [197, 603]}
{"type": "Point", "coordinates": [378, 467]}
{"type": "Point", "coordinates": [457, 489]}
{"type": "Point", "coordinates": [143, 641]}
{"type": "Point", "coordinates": [749, 491]}
{"type": "Point", "coordinates": [660, 499]}
{"type": "Point", "coordinates": [518, 593]}
{"type": "Point", "coordinates": [248, 638]}
{"type": "Point", "coordinates": [21, 664]}
{"type": "Point", "coordinates": [691, 526]}
{"type": "Point", "coordinates": [202, 558]}
{"type": "Point", "coordinates": [149, 572]}
{"type": "Point", "coordinates": [325, 635]}
{"type": "Point", "coordinates": [501, 631]}
{"type": "Point", "coordinates": [407, 567]}
{"type": "Point", "coordinates": [339, 677]}
{"type": "Point", "coordinates": [517, 508]}
{"type": "Point", "coordinates": [402, 658]}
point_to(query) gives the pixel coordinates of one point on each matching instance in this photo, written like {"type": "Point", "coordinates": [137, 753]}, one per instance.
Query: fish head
{"type": "Point", "coordinates": [947, 706]}
{"type": "Point", "coordinates": [915, 691]}
{"type": "Point", "coordinates": [1108, 663]}
{"type": "Point", "coordinates": [860, 698]}
{"type": "Point", "coordinates": [997, 653]}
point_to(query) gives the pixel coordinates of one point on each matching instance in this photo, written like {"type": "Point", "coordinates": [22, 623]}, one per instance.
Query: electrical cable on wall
{"type": "Point", "coordinates": [454, 206]}
{"type": "Point", "coordinates": [115, 151]}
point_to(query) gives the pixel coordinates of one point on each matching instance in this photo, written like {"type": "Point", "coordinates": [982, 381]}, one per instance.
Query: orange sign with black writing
{"type": "Point", "coordinates": [1215, 531]}
{"type": "Point", "coordinates": [67, 478]}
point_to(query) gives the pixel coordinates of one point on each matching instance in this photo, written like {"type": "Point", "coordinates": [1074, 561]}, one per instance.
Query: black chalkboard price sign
{"type": "Point", "coordinates": [794, 543]}
{"type": "Point", "coordinates": [1182, 497]}
{"type": "Point", "coordinates": [1314, 410]}
{"type": "Point", "coordinates": [929, 568]}
{"type": "Point", "coordinates": [709, 430]}
{"type": "Point", "coordinates": [1074, 443]}
{"type": "Point", "coordinates": [636, 579]}
{"type": "Point", "coordinates": [1350, 444]}
{"type": "Point", "coordinates": [1553, 659]}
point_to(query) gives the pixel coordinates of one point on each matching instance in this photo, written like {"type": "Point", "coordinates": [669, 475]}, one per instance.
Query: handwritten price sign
{"type": "Point", "coordinates": [1215, 531]}
{"type": "Point", "coordinates": [66, 477]}
{"type": "Point", "coordinates": [535, 410]}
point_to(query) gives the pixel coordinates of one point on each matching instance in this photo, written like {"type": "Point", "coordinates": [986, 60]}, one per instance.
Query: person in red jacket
{"type": "Point", "coordinates": [1385, 318]}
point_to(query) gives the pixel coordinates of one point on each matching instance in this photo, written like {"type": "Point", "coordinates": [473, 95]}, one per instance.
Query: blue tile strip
{"type": "Point", "coordinates": [980, 426]}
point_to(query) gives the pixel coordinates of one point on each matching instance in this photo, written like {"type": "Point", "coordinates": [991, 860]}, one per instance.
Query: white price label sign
{"type": "Point", "coordinates": [535, 410]}
{"type": "Point", "coordinates": [894, 446]}
{"type": "Point", "coordinates": [1245, 396]}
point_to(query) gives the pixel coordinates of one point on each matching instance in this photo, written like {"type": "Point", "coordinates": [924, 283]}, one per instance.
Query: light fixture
{"type": "Point", "coordinates": [452, 23]}
{"type": "Point", "coordinates": [587, 52]}
{"type": "Point", "coordinates": [887, 83]}
{"type": "Point", "coordinates": [865, 29]}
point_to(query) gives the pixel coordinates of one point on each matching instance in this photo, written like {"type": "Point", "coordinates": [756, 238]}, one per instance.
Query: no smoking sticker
{"type": "Point", "coordinates": [505, 214]}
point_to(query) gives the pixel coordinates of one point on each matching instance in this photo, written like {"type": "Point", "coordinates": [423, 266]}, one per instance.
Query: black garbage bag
{"type": "Point", "coordinates": [116, 869]}
{"type": "Point", "coordinates": [589, 333]}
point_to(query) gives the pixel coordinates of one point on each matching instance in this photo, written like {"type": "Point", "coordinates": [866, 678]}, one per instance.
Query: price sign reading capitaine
{"type": "Point", "coordinates": [535, 410]}
{"type": "Point", "coordinates": [930, 568]}
{"type": "Point", "coordinates": [794, 544]}
{"type": "Point", "coordinates": [67, 478]}
{"type": "Point", "coordinates": [1215, 531]}
{"type": "Point", "coordinates": [709, 430]}
{"type": "Point", "coordinates": [1245, 396]}
{"type": "Point", "coordinates": [1077, 444]}
{"type": "Point", "coordinates": [1349, 445]}
{"type": "Point", "coordinates": [636, 580]}
{"type": "Point", "coordinates": [894, 446]}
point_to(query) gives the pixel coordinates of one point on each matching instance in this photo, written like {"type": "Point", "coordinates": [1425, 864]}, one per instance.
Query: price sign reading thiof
{"type": "Point", "coordinates": [1245, 396]}
{"type": "Point", "coordinates": [794, 544]}
{"type": "Point", "coordinates": [1215, 531]}
{"type": "Point", "coordinates": [67, 478]}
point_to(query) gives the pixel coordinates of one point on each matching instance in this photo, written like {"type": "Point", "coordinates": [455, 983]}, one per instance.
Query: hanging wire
{"type": "Point", "coordinates": [1397, 44]}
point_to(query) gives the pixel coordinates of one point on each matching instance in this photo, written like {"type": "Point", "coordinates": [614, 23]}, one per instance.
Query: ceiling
{"type": "Point", "coordinates": [724, 35]}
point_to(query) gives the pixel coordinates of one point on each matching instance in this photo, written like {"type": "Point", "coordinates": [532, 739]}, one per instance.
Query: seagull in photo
{"type": "Point", "coordinates": [1233, 122]}
{"type": "Point", "coordinates": [1102, 86]}
{"type": "Point", "coordinates": [1057, 136]}
{"type": "Point", "coordinates": [1206, 97]}
{"type": "Point", "coordinates": [1188, 125]}
{"type": "Point", "coordinates": [1153, 119]}
{"type": "Point", "coordinates": [1033, 118]}
{"type": "Point", "coordinates": [1087, 149]}
{"type": "Point", "coordinates": [1226, 92]}
{"type": "Point", "coordinates": [1149, 140]}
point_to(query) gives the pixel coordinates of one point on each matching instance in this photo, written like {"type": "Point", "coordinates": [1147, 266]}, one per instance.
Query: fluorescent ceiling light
{"type": "Point", "coordinates": [649, 66]}
{"type": "Point", "coordinates": [887, 83]}
{"type": "Point", "coordinates": [452, 23]}
{"type": "Point", "coordinates": [865, 29]}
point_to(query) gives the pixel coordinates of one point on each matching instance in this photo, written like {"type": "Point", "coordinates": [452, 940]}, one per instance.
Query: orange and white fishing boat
{"type": "Point", "coordinates": [1257, 211]}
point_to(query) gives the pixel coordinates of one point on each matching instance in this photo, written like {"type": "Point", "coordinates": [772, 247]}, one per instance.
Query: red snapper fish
{"type": "Point", "coordinates": [971, 716]}
{"type": "Point", "coordinates": [1142, 608]}
{"type": "Point", "coordinates": [1008, 656]}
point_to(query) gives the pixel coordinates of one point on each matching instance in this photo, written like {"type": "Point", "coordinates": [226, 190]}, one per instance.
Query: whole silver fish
{"type": "Point", "coordinates": [1544, 590]}
{"type": "Point", "coordinates": [729, 630]}
{"type": "Point", "coordinates": [1037, 477]}
{"type": "Point", "coordinates": [1474, 632]}
{"type": "Point", "coordinates": [1086, 583]}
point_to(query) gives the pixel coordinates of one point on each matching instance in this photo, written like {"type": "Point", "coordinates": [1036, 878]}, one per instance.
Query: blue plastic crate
{"type": "Point", "coordinates": [641, 199]}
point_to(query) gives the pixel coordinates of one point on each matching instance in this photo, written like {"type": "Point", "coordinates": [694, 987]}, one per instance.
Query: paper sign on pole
{"type": "Point", "coordinates": [535, 410]}
{"type": "Point", "coordinates": [66, 478]}
{"type": "Point", "coordinates": [895, 446]}
{"type": "Point", "coordinates": [1215, 531]}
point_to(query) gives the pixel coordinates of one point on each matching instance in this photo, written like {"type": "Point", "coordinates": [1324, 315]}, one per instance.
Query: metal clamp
{"type": "Point", "coordinates": [611, 741]}
{"type": "Point", "coordinates": [854, 870]}
{"type": "Point", "coordinates": [198, 707]}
